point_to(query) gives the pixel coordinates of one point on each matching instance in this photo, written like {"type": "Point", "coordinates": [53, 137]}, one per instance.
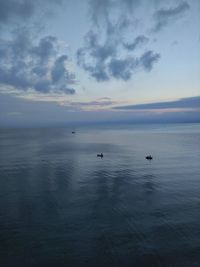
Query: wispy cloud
{"type": "Point", "coordinates": [164, 16]}
{"type": "Point", "coordinates": [104, 103]}
{"type": "Point", "coordinates": [103, 9]}
{"type": "Point", "coordinates": [139, 40]}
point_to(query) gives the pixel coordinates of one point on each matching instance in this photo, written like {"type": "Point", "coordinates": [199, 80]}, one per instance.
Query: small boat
{"type": "Point", "coordinates": [100, 155]}
{"type": "Point", "coordinates": [149, 157]}
{"type": "Point", "coordinates": [73, 132]}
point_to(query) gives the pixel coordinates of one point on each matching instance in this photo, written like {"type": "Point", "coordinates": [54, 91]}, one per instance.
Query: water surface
{"type": "Point", "coordinates": [60, 205]}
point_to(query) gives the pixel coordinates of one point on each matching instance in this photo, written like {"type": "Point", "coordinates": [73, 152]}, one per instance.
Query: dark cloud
{"type": "Point", "coordinates": [99, 73]}
{"type": "Point", "coordinates": [122, 68]}
{"type": "Point", "coordinates": [93, 56]}
{"type": "Point", "coordinates": [147, 60]}
{"type": "Point", "coordinates": [25, 65]}
{"type": "Point", "coordinates": [184, 103]}
{"type": "Point", "coordinates": [46, 48]}
{"type": "Point", "coordinates": [43, 86]}
{"type": "Point", "coordinates": [68, 91]}
{"type": "Point", "coordinates": [125, 68]}
{"type": "Point", "coordinates": [139, 40]}
{"type": "Point", "coordinates": [60, 73]}
{"type": "Point", "coordinates": [164, 16]}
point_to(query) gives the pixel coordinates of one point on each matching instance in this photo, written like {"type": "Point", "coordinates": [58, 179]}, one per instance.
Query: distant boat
{"type": "Point", "coordinates": [100, 155]}
{"type": "Point", "coordinates": [149, 157]}
{"type": "Point", "coordinates": [73, 132]}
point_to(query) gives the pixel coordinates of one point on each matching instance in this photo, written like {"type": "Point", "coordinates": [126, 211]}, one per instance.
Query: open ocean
{"type": "Point", "coordinates": [60, 205]}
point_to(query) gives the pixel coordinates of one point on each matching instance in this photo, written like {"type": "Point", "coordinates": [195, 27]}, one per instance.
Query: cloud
{"type": "Point", "coordinates": [164, 16]}
{"type": "Point", "coordinates": [17, 112]}
{"type": "Point", "coordinates": [26, 64]}
{"type": "Point", "coordinates": [184, 103]}
{"type": "Point", "coordinates": [97, 104]}
{"type": "Point", "coordinates": [147, 60]}
{"type": "Point", "coordinates": [90, 105]}
{"type": "Point", "coordinates": [60, 73]}
{"type": "Point", "coordinates": [45, 49]}
{"type": "Point", "coordinates": [130, 4]}
{"type": "Point", "coordinates": [106, 54]}
{"type": "Point", "coordinates": [12, 11]}
{"type": "Point", "coordinates": [103, 62]}
{"type": "Point", "coordinates": [122, 68]}
{"type": "Point", "coordinates": [93, 56]}
{"type": "Point", "coordinates": [141, 39]}
{"type": "Point", "coordinates": [102, 10]}
{"type": "Point", "coordinates": [125, 68]}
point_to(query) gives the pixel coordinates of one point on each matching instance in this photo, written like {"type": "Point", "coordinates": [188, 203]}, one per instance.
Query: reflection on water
{"type": "Point", "coordinates": [60, 205]}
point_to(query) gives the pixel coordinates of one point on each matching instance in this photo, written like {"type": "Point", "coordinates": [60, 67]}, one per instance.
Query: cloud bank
{"type": "Point", "coordinates": [184, 103]}
{"type": "Point", "coordinates": [16, 112]}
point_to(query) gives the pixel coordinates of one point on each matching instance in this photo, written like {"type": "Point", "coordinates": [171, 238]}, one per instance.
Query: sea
{"type": "Point", "coordinates": [61, 205]}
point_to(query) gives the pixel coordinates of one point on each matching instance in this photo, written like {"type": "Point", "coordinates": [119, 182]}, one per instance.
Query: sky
{"type": "Point", "coordinates": [82, 61]}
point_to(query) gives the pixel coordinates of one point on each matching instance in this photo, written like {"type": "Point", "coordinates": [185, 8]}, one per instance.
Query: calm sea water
{"type": "Point", "coordinates": [60, 205]}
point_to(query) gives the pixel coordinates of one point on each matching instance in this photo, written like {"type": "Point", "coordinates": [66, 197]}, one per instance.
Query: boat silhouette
{"type": "Point", "coordinates": [149, 157]}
